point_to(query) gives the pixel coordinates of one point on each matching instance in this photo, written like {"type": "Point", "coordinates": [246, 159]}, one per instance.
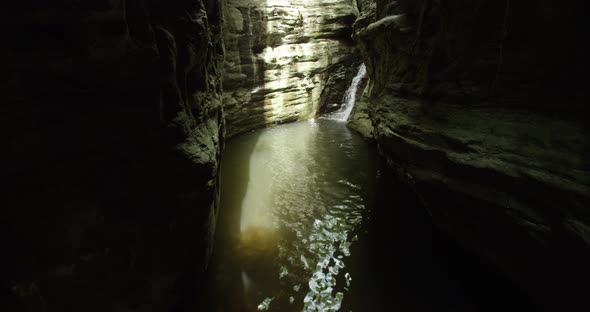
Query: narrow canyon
{"type": "Point", "coordinates": [295, 155]}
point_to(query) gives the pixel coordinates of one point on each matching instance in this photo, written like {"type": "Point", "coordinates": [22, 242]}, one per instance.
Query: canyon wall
{"type": "Point", "coordinates": [285, 59]}
{"type": "Point", "coordinates": [477, 105]}
{"type": "Point", "coordinates": [115, 121]}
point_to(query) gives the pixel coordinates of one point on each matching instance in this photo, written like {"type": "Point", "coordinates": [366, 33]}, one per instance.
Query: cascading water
{"type": "Point", "coordinates": [350, 96]}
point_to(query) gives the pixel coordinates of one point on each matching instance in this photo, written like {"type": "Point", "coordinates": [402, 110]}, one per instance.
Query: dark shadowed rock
{"type": "Point", "coordinates": [115, 121]}
{"type": "Point", "coordinates": [477, 105]}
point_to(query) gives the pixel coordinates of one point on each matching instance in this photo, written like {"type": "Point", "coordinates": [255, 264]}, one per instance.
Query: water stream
{"type": "Point", "coordinates": [349, 96]}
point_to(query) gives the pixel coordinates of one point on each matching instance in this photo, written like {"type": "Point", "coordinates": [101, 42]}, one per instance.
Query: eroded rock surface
{"type": "Point", "coordinates": [282, 57]}
{"type": "Point", "coordinates": [478, 106]}
{"type": "Point", "coordinates": [115, 121]}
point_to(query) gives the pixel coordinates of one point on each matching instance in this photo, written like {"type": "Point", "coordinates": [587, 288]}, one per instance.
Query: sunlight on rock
{"type": "Point", "coordinates": [279, 58]}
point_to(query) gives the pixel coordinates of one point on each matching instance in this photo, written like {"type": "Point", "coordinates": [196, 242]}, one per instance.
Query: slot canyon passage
{"type": "Point", "coordinates": [289, 155]}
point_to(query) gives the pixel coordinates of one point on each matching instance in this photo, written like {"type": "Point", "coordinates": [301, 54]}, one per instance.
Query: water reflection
{"type": "Point", "coordinates": [279, 164]}
{"type": "Point", "coordinates": [300, 191]}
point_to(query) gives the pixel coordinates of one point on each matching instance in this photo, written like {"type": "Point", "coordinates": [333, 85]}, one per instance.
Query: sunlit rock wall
{"type": "Point", "coordinates": [113, 115]}
{"type": "Point", "coordinates": [279, 55]}
{"type": "Point", "coordinates": [478, 106]}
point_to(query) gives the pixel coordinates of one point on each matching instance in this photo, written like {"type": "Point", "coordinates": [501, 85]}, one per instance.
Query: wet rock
{"type": "Point", "coordinates": [360, 121]}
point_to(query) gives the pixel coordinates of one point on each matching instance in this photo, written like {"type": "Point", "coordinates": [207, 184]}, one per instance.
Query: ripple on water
{"type": "Point", "coordinates": [305, 190]}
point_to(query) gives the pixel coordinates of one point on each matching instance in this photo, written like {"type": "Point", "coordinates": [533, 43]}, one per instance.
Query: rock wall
{"type": "Point", "coordinates": [282, 57]}
{"type": "Point", "coordinates": [113, 110]}
{"type": "Point", "coordinates": [477, 105]}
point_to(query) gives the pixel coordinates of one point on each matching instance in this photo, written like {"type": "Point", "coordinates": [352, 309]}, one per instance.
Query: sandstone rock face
{"type": "Point", "coordinates": [477, 105]}
{"type": "Point", "coordinates": [282, 57]}
{"type": "Point", "coordinates": [114, 112]}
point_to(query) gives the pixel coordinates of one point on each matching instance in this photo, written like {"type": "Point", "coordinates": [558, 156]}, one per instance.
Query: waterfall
{"type": "Point", "coordinates": [350, 96]}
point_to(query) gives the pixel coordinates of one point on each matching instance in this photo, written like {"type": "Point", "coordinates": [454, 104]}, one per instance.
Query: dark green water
{"type": "Point", "coordinates": [308, 222]}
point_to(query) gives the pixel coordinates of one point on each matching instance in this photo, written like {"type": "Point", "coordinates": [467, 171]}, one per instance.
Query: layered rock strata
{"type": "Point", "coordinates": [282, 57]}
{"type": "Point", "coordinates": [477, 105]}
{"type": "Point", "coordinates": [114, 111]}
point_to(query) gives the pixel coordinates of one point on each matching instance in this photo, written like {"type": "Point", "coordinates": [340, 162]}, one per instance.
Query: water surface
{"type": "Point", "coordinates": [292, 198]}
{"type": "Point", "coordinates": [308, 222]}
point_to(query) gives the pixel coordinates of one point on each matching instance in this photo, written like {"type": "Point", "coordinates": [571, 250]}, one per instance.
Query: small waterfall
{"type": "Point", "coordinates": [350, 96]}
